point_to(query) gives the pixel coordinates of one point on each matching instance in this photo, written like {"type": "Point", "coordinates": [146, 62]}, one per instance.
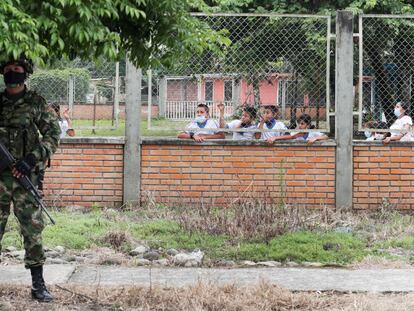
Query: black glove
{"type": "Point", "coordinates": [25, 165]}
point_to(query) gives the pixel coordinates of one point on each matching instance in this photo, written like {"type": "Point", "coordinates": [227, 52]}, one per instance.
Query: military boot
{"type": "Point", "coordinates": [39, 290]}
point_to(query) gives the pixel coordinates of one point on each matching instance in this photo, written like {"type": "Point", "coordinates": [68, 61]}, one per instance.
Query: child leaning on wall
{"type": "Point", "coordinates": [268, 121]}
{"type": "Point", "coordinates": [246, 122]}
{"type": "Point", "coordinates": [380, 125]}
{"type": "Point", "coordinates": [304, 122]}
{"type": "Point", "coordinates": [202, 121]}
{"type": "Point", "coordinates": [65, 122]}
{"type": "Point", "coordinates": [402, 123]}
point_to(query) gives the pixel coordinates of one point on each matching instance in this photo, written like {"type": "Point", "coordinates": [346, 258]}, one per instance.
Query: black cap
{"type": "Point", "coordinates": [27, 64]}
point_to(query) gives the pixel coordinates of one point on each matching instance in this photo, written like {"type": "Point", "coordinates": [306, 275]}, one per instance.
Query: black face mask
{"type": "Point", "coordinates": [12, 78]}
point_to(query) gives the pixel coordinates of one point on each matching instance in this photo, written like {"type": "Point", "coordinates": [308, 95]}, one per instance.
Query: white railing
{"type": "Point", "coordinates": [186, 110]}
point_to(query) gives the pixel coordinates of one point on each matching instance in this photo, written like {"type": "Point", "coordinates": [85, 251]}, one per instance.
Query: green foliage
{"type": "Point", "coordinates": [315, 7]}
{"type": "Point", "coordinates": [406, 242]}
{"type": "Point", "coordinates": [53, 84]}
{"type": "Point", "coordinates": [80, 231]}
{"type": "Point", "coordinates": [152, 31]}
{"type": "Point", "coordinates": [307, 246]}
{"type": "Point", "coordinates": [155, 226]}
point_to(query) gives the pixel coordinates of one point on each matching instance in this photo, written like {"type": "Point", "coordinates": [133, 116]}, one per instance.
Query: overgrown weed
{"type": "Point", "coordinates": [202, 296]}
{"type": "Point", "coordinates": [254, 219]}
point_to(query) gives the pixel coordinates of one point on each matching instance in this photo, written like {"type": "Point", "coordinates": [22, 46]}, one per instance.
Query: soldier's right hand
{"type": "Point", "coordinates": [25, 165]}
{"type": "Point", "coordinates": [16, 173]}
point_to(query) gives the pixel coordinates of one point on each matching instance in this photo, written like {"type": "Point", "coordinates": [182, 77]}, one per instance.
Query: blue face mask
{"type": "Point", "coordinates": [397, 112]}
{"type": "Point", "coordinates": [367, 134]}
{"type": "Point", "coordinates": [271, 123]}
{"type": "Point", "coordinates": [201, 119]}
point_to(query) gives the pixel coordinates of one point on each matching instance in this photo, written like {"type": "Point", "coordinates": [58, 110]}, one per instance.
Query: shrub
{"type": "Point", "coordinates": [53, 84]}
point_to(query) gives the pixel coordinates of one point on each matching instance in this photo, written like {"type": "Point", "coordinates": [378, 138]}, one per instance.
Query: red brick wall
{"type": "Point", "coordinates": [90, 171]}
{"type": "Point", "coordinates": [85, 174]}
{"type": "Point", "coordinates": [384, 173]}
{"type": "Point", "coordinates": [219, 174]}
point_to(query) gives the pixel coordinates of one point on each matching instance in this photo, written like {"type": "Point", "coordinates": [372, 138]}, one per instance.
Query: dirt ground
{"type": "Point", "coordinates": [200, 297]}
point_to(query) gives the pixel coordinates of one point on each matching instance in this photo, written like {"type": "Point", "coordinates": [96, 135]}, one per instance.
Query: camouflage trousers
{"type": "Point", "coordinates": [27, 213]}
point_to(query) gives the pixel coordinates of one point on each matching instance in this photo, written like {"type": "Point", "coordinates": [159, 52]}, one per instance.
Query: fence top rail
{"type": "Point", "coordinates": [253, 130]}
{"type": "Point", "coordinates": [386, 15]}
{"type": "Point", "coordinates": [260, 15]}
{"type": "Point", "coordinates": [230, 142]}
{"type": "Point", "coordinates": [107, 140]}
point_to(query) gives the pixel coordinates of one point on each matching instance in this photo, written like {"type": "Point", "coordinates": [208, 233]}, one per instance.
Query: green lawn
{"type": "Point", "coordinates": [366, 235]}
{"type": "Point", "coordinates": [159, 127]}
{"type": "Point", "coordinates": [81, 231]}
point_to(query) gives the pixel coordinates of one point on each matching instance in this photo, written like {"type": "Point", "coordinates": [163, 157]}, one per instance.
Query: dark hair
{"type": "Point", "coordinates": [307, 119]}
{"type": "Point", "coordinates": [56, 109]}
{"type": "Point", "coordinates": [204, 106]}
{"type": "Point", "coordinates": [404, 106]}
{"type": "Point", "coordinates": [251, 111]}
{"type": "Point", "coordinates": [382, 125]}
{"type": "Point", "coordinates": [272, 108]}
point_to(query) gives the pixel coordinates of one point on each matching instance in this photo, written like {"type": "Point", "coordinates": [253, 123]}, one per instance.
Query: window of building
{"type": "Point", "coordinates": [208, 90]}
{"type": "Point", "coordinates": [228, 90]}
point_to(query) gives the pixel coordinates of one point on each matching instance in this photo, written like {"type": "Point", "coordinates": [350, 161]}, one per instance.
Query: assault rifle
{"type": "Point", "coordinates": [7, 160]}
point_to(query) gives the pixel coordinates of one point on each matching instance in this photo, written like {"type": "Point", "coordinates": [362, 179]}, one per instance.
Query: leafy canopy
{"type": "Point", "coordinates": [154, 32]}
{"type": "Point", "coordinates": [314, 6]}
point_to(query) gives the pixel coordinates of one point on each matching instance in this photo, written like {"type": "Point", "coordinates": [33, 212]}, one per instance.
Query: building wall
{"type": "Point", "coordinates": [85, 111]}
{"type": "Point", "coordinates": [268, 91]}
{"type": "Point", "coordinates": [182, 90]}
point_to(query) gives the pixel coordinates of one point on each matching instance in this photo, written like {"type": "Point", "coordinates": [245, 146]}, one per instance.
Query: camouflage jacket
{"type": "Point", "coordinates": [26, 126]}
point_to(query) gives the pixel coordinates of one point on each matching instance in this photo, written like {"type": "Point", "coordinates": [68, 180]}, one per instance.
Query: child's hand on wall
{"type": "Point", "coordinates": [271, 140]}
{"type": "Point", "coordinates": [66, 114]}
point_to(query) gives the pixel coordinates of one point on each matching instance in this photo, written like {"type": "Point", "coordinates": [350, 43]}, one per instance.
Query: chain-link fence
{"type": "Point", "coordinates": [92, 91]}
{"type": "Point", "coordinates": [386, 67]}
{"type": "Point", "coordinates": [280, 60]}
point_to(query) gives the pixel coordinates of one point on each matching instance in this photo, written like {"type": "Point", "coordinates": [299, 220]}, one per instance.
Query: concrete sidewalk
{"type": "Point", "coordinates": [301, 279]}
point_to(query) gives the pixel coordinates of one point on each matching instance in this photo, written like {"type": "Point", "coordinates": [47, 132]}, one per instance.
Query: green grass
{"type": "Point", "coordinates": [80, 231]}
{"type": "Point", "coordinates": [159, 127]}
{"type": "Point", "coordinates": [308, 246]}
{"type": "Point", "coordinates": [406, 242]}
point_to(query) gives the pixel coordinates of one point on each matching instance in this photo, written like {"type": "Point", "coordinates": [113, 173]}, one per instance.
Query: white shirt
{"type": "Point", "coordinates": [309, 135]}
{"type": "Point", "coordinates": [400, 123]}
{"type": "Point", "coordinates": [209, 124]}
{"type": "Point", "coordinates": [64, 126]}
{"type": "Point", "coordinates": [241, 135]}
{"type": "Point", "coordinates": [278, 126]}
{"type": "Point", "coordinates": [375, 136]}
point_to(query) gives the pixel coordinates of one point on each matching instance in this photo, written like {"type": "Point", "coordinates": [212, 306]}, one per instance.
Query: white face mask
{"type": "Point", "coordinates": [379, 136]}
{"type": "Point", "coordinates": [367, 134]}
{"type": "Point", "coordinates": [201, 119]}
{"type": "Point", "coordinates": [397, 112]}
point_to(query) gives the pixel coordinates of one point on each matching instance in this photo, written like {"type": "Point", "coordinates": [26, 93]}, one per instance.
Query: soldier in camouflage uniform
{"type": "Point", "coordinates": [31, 134]}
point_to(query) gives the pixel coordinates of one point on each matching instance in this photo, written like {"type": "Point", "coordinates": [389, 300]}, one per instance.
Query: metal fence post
{"type": "Point", "coordinates": [71, 94]}
{"type": "Point", "coordinates": [343, 106]}
{"type": "Point", "coordinates": [236, 94]}
{"type": "Point", "coordinates": [132, 149]}
{"type": "Point", "coordinates": [163, 96]}
{"type": "Point", "coordinates": [149, 102]}
{"type": "Point", "coordinates": [116, 95]}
